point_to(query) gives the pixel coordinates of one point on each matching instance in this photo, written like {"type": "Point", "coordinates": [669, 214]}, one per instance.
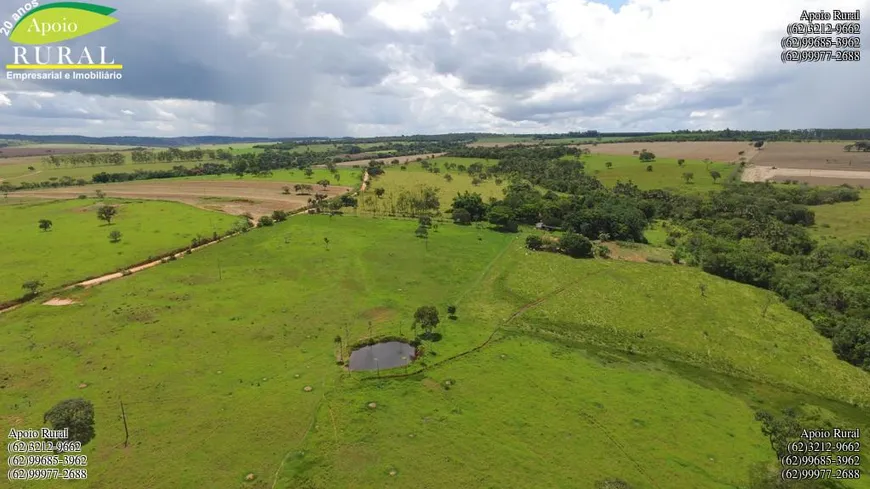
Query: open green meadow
{"type": "Point", "coordinates": [666, 172]}
{"type": "Point", "coordinates": [78, 247]}
{"type": "Point", "coordinates": [394, 181]}
{"type": "Point", "coordinates": [845, 220]}
{"type": "Point", "coordinates": [623, 369]}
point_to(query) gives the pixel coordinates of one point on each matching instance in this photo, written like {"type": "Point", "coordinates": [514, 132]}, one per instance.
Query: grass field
{"type": "Point", "coordinates": [210, 355]}
{"type": "Point", "coordinates": [78, 247]}
{"type": "Point", "coordinates": [846, 220]}
{"type": "Point", "coordinates": [528, 413]}
{"type": "Point", "coordinates": [394, 181]}
{"type": "Point", "coordinates": [717, 151]}
{"type": "Point", "coordinates": [666, 172]}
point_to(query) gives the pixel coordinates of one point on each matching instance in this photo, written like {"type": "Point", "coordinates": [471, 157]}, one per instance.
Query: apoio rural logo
{"type": "Point", "coordinates": [38, 32]}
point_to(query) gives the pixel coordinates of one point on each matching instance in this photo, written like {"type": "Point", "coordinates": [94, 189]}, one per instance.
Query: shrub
{"type": "Point", "coordinates": [83, 196]}
{"type": "Point", "coordinates": [671, 241]}
{"type": "Point", "coordinates": [115, 236]}
{"type": "Point", "coordinates": [534, 242]}
{"type": "Point", "coordinates": [279, 216]}
{"type": "Point", "coordinates": [602, 251]}
{"type": "Point", "coordinates": [576, 245]}
{"type": "Point", "coordinates": [265, 221]}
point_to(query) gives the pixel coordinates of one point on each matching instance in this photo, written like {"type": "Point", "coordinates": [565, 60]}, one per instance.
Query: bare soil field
{"type": "Point", "coordinates": [828, 155]}
{"type": "Point", "coordinates": [757, 173]}
{"type": "Point", "coordinates": [19, 152]}
{"type": "Point", "coordinates": [231, 197]}
{"type": "Point", "coordinates": [720, 151]}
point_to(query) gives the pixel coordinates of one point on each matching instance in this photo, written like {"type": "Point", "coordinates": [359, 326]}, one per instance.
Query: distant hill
{"type": "Point", "coordinates": [131, 141]}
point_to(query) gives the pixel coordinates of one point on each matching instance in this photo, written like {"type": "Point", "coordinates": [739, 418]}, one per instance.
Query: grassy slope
{"type": "Point", "coordinates": [206, 366]}
{"type": "Point", "coordinates": [78, 247]}
{"type": "Point", "coordinates": [846, 220]}
{"type": "Point", "coordinates": [615, 302]}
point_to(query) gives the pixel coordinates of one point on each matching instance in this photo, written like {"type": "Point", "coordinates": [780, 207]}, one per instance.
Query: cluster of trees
{"type": "Point", "coordinates": [863, 146]}
{"type": "Point", "coordinates": [414, 202]}
{"type": "Point", "coordinates": [83, 159]}
{"type": "Point", "coordinates": [572, 244]}
{"type": "Point", "coordinates": [757, 234]}
{"type": "Point", "coordinates": [142, 155]}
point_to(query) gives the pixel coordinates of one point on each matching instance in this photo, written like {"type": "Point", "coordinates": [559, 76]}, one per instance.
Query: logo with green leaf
{"type": "Point", "coordinates": [62, 21]}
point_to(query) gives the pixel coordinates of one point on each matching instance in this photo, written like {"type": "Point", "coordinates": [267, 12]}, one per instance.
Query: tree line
{"type": "Point", "coordinates": [82, 159]}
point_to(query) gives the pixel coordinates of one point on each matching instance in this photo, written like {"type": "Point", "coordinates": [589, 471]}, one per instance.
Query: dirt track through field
{"type": "Point", "coordinates": [828, 177]}
{"type": "Point", "coordinates": [235, 197]}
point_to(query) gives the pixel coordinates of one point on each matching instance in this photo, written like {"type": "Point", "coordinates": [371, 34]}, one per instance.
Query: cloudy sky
{"type": "Point", "coordinates": [383, 67]}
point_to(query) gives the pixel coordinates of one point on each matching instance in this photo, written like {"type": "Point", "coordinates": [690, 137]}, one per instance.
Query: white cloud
{"type": "Point", "coordinates": [324, 22]}
{"type": "Point", "coordinates": [4, 100]}
{"type": "Point", "coordinates": [405, 15]}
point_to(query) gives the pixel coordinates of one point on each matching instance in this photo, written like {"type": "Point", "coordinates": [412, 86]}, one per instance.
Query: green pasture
{"type": "Point", "coordinates": [205, 350]}
{"type": "Point", "coordinates": [845, 220]}
{"type": "Point", "coordinates": [395, 180]}
{"type": "Point", "coordinates": [666, 172]}
{"type": "Point", "coordinates": [77, 246]}
{"type": "Point", "coordinates": [598, 368]}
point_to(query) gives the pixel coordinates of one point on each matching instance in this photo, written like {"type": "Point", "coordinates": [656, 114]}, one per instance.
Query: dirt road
{"type": "Point", "coordinates": [829, 177]}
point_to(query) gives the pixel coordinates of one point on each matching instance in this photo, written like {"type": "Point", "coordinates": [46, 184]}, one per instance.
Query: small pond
{"type": "Point", "coordinates": [382, 356]}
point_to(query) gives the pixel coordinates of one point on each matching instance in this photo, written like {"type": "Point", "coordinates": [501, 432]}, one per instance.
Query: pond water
{"type": "Point", "coordinates": [382, 356]}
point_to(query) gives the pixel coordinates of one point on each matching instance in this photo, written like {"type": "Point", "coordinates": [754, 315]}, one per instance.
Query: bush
{"type": "Point", "coordinates": [461, 216]}
{"type": "Point", "coordinates": [83, 196]}
{"type": "Point", "coordinates": [602, 251]}
{"type": "Point", "coordinates": [265, 221]}
{"type": "Point", "coordinates": [115, 236]}
{"type": "Point", "coordinates": [279, 216]}
{"type": "Point", "coordinates": [576, 245]}
{"type": "Point", "coordinates": [534, 242]}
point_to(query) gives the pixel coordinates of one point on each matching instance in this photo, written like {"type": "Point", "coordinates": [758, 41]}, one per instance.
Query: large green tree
{"type": "Point", "coordinates": [77, 415]}
{"type": "Point", "coordinates": [427, 318]}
